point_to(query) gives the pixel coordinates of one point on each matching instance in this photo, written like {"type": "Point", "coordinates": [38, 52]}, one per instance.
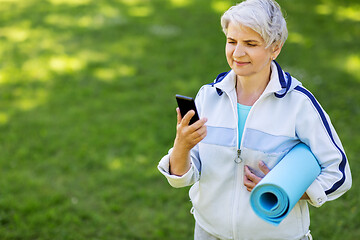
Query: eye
{"type": "Point", "coordinates": [230, 40]}
{"type": "Point", "coordinates": [251, 44]}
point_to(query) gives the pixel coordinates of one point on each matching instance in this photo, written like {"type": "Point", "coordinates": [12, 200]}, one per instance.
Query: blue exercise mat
{"type": "Point", "coordinates": [278, 192]}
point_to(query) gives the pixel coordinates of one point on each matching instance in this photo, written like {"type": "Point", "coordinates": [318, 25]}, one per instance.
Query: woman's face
{"type": "Point", "coordinates": [245, 51]}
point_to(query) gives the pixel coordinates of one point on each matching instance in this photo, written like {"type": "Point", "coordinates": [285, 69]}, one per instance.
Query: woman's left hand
{"type": "Point", "coordinates": [250, 179]}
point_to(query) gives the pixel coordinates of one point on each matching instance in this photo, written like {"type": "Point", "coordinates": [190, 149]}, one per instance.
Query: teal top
{"type": "Point", "coordinates": [243, 112]}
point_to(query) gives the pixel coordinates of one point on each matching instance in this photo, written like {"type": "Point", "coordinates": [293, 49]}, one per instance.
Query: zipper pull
{"type": "Point", "coordinates": [238, 159]}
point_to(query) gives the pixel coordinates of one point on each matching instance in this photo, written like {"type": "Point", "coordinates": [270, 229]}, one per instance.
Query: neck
{"type": "Point", "coordinates": [250, 88]}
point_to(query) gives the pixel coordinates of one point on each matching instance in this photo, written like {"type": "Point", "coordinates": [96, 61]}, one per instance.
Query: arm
{"type": "Point", "coordinates": [314, 128]}
{"type": "Point", "coordinates": [179, 166]}
{"type": "Point", "coordinates": [186, 138]}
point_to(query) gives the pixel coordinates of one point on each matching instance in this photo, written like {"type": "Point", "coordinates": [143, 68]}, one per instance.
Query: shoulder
{"type": "Point", "coordinates": [305, 95]}
{"type": "Point", "coordinates": [212, 87]}
{"type": "Point", "coordinates": [219, 78]}
{"type": "Point", "coordinates": [300, 92]}
{"type": "Point", "coordinates": [312, 109]}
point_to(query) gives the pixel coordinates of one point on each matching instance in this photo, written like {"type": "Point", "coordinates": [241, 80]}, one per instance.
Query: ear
{"type": "Point", "coordinates": [276, 49]}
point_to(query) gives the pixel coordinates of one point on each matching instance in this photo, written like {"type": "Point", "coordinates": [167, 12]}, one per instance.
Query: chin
{"type": "Point", "coordinates": [242, 73]}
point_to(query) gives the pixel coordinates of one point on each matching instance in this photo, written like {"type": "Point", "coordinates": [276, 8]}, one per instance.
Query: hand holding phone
{"type": "Point", "coordinates": [186, 104]}
{"type": "Point", "coordinates": [186, 136]}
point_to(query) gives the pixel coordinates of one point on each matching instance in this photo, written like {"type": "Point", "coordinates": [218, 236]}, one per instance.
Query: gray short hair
{"type": "Point", "coordinates": [263, 16]}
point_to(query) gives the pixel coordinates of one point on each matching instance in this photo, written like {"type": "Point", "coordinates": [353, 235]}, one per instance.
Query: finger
{"type": "Point", "coordinates": [199, 138]}
{"type": "Point", "coordinates": [178, 116]}
{"type": "Point", "coordinates": [263, 167]}
{"type": "Point", "coordinates": [248, 183]}
{"type": "Point", "coordinates": [199, 135]}
{"type": "Point", "coordinates": [199, 132]}
{"type": "Point", "coordinates": [186, 119]}
{"type": "Point", "coordinates": [198, 124]}
{"type": "Point", "coordinates": [251, 176]}
{"type": "Point", "coordinates": [247, 172]}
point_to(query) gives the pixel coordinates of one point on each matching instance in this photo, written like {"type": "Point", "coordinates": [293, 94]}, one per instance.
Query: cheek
{"type": "Point", "coordinates": [260, 56]}
{"type": "Point", "coordinates": [229, 52]}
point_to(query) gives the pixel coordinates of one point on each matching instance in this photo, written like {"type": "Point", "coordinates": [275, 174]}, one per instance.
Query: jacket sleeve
{"type": "Point", "coordinates": [314, 128]}
{"type": "Point", "coordinates": [189, 178]}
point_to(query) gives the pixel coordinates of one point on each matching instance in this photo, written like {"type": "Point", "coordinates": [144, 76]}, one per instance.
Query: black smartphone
{"type": "Point", "coordinates": [186, 104]}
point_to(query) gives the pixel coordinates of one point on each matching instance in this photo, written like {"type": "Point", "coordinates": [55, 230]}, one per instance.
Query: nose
{"type": "Point", "coordinates": [239, 51]}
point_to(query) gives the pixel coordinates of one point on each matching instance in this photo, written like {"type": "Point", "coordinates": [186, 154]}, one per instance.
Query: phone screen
{"type": "Point", "coordinates": [186, 104]}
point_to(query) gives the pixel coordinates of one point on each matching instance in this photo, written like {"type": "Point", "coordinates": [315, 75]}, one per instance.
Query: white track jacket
{"type": "Point", "coordinates": [284, 115]}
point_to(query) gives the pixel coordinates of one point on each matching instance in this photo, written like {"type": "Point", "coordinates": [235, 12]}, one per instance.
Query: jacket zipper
{"type": "Point", "coordinates": [239, 173]}
{"type": "Point", "coordinates": [238, 158]}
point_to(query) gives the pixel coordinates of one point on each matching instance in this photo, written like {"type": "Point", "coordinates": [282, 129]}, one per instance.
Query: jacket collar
{"type": "Point", "coordinates": [280, 82]}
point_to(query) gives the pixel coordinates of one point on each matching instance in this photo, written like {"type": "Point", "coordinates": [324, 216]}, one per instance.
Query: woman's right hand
{"type": "Point", "coordinates": [186, 138]}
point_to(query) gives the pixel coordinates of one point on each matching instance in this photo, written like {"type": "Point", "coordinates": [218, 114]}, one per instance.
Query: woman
{"type": "Point", "coordinates": [254, 115]}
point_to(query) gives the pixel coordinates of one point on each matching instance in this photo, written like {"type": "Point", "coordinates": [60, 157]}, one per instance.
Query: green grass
{"type": "Point", "coordinates": [87, 109]}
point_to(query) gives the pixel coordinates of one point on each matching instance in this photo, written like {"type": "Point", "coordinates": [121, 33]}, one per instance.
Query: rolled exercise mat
{"type": "Point", "coordinates": [278, 192]}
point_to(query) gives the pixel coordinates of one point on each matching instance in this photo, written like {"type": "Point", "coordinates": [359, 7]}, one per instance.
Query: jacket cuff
{"type": "Point", "coordinates": [174, 180]}
{"type": "Point", "coordinates": [316, 194]}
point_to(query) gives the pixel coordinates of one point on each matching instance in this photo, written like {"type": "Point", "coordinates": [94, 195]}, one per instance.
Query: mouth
{"type": "Point", "coordinates": [241, 63]}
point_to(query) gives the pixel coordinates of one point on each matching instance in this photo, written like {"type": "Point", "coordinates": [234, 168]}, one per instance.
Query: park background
{"type": "Point", "coordinates": [87, 109]}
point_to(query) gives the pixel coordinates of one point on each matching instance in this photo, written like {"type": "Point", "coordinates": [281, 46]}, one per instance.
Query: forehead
{"type": "Point", "coordinates": [239, 31]}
